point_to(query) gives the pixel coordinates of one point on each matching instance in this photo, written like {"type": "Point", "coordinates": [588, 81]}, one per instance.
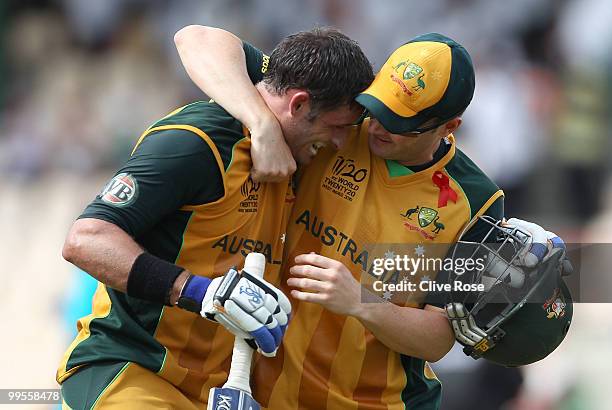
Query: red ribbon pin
{"type": "Point", "coordinates": [446, 192]}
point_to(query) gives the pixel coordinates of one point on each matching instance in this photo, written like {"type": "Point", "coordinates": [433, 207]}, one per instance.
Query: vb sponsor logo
{"type": "Point", "coordinates": [120, 191]}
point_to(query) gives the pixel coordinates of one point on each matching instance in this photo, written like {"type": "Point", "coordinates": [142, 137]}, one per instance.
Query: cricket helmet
{"type": "Point", "coordinates": [520, 314]}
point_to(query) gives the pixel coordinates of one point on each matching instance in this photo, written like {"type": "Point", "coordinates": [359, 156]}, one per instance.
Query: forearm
{"type": "Point", "coordinates": [423, 333]}
{"type": "Point", "coordinates": [103, 250]}
{"type": "Point", "coordinates": [215, 62]}
{"type": "Point", "coordinates": [107, 253]}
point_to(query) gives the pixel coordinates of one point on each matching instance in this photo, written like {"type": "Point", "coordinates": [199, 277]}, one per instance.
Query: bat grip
{"type": "Point", "coordinates": [240, 368]}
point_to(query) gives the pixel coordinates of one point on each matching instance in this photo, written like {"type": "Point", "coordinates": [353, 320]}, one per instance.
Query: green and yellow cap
{"type": "Point", "coordinates": [424, 83]}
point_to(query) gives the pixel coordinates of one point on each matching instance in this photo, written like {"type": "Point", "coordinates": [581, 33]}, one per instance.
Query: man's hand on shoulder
{"type": "Point", "coordinates": [272, 158]}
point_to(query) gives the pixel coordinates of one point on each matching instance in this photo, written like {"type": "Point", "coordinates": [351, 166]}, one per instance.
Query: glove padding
{"type": "Point", "coordinates": [540, 244]}
{"type": "Point", "coordinates": [250, 308]}
{"type": "Point", "coordinates": [247, 306]}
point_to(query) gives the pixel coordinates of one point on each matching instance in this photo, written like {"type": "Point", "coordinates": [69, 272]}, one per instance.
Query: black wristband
{"type": "Point", "coordinates": [152, 278]}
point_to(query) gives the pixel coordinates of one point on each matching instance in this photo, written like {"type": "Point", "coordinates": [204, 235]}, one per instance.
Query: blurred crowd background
{"type": "Point", "coordinates": [80, 80]}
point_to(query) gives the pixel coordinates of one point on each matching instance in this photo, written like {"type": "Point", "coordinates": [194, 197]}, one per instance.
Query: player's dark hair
{"type": "Point", "coordinates": [322, 61]}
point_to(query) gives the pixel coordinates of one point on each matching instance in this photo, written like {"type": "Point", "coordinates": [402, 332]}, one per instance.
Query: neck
{"type": "Point", "coordinates": [425, 156]}
{"type": "Point", "coordinates": [273, 101]}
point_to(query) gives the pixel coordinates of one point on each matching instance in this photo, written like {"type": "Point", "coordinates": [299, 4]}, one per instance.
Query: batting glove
{"type": "Point", "coordinates": [249, 307]}
{"type": "Point", "coordinates": [541, 242]}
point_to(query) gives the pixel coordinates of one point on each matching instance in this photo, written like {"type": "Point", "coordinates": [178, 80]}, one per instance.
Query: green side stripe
{"type": "Point", "coordinates": [111, 382]}
{"type": "Point", "coordinates": [161, 314]}
{"type": "Point", "coordinates": [84, 389]}
{"type": "Point", "coordinates": [232, 158]}
{"type": "Point", "coordinates": [420, 393]}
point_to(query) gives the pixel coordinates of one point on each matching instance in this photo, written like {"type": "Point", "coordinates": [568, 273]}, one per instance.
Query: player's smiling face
{"type": "Point", "coordinates": [328, 128]}
{"type": "Point", "coordinates": [408, 149]}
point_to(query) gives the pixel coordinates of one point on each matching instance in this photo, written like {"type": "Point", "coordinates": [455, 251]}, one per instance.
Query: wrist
{"type": "Point", "coordinates": [179, 285]}
{"type": "Point", "coordinates": [263, 120]}
{"type": "Point", "coordinates": [366, 306]}
{"type": "Point", "coordinates": [152, 278]}
{"type": "Point", "coordinates": [193, 292]}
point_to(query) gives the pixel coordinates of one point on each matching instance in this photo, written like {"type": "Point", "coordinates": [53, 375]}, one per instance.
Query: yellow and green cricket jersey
{"type": "Point", "coordinates": [346, 201]}
{"type": "Point", "coordinates": [186, 196]}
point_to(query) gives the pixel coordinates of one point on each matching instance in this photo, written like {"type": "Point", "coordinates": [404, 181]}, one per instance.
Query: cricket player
{"type": "Point", "coordinates": [164, 233]}
{"type": "Point", "coordinates": [399, 179]}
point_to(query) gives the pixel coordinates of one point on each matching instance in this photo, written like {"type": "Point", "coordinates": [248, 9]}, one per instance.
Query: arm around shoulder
{"type": "Point", "coordinates": [215, 61]}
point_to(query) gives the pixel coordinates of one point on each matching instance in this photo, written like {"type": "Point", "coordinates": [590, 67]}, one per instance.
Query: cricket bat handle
{"type": "Point", "coordinates": [242, 355]}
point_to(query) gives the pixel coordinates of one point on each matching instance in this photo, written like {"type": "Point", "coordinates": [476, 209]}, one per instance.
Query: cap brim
{"type": "Point", "coordinates": [392, 122]}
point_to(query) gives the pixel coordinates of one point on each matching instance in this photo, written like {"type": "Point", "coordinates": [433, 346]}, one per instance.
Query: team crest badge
{"type": "Point", "coordinates": [555, 306]}
{"type": "Point", "coordinates": [426, 216]}
{"type": "Point", "coordinates": [409, 70]}
{"type": "Point", "coordinates": [120, 191]}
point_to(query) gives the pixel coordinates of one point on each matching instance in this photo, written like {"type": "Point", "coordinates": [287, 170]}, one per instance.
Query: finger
{"type": "Point", "coordinates": [279, 314]}
{"type": "Point", "coordinates": [273, 324]}
{"type": "Point", "coordinates": [270, 354]}
{"type": "Point", "coordinates": [538, 244]}
{"type": "Point", "coordinates": [276, 331]}
{"type": "Point", "coordinates": [263, 315]}
{"type": "Point", "coordinates": [231, 326]}
{"type": "Point", "coordinates": [281, 299]}
{"type": "Point", "coordinates": [284, 327]}
{"type": "Point", "coordinates": [264, 338]}
{"type": "Point", "coordinates": [258, 176]}
{"type": "Point", "coordinates": [307, 284]}
{"type": "Point", "coordinates": [316, 260]}
{"type": "Point", "coordinates": [536, 231]}
{"type": "Point", "coordinates": [310, 271]}
{"type": "Point", "coordinates": [283, 302]}
{"type": "Point", "coordinates": [308, 297]}
{"type": "Point", "coordinates": [243, 319]}
{"type": "Point", "coordinates": [556, 241]}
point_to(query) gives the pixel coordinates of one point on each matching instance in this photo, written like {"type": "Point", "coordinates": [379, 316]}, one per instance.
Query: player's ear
{"type": "Point", "coordinates": [452, 125]}
{"type": "Point", "coordinates": [299, 104]}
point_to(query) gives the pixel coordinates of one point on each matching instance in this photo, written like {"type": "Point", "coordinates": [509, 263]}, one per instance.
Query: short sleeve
{"type": "Point", "coordinates": [476, 233]}
{"type": "Point", "coordinates": [169, 169]}
{"type": "Point", "coordinates": [256, 62]}
{"type": "Point", "coordinates": [480, 229]}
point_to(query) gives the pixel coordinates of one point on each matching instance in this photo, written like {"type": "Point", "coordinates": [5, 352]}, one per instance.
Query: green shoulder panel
{"type": "Point", "coordinates": [473, 181]}
{"type": "Point", "coordinates": [256, 62]}
{"type": "Point", "coordinates": [223, 129]}
{"type": "Point", "coordinates": [420, 392]}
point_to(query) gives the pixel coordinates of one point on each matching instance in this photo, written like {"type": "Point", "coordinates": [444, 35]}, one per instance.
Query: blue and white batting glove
{"type": "Point", "coordinates": [541, 242]}
{"type": "Point", "coordinates": [249, 307]}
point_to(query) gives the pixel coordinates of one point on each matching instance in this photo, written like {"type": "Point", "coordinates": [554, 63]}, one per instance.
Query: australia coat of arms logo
{"type": "Point", "coordinates": [555, 305]}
